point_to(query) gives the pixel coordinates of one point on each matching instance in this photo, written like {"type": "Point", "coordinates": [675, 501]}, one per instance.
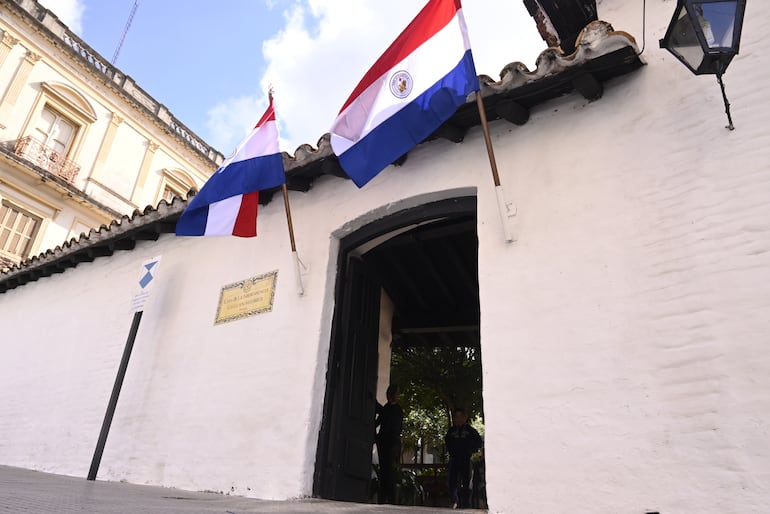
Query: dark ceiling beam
{"type": "Point", "coordinates": [401, 160]}
{"type": "Point", "coordinates": [465, 272]}
{"type": "Point", "coordinates": [432, 231]}
{"type": "Point", "coordinates": [128, 243]}
{"type": "Point", "coordinates": [451, 132]}
{"type": "Point", "coordinates": [415, 320]}
{"type": "Point", "coordinates": [299, 183]}
{"type": "Point", "coordinates": [151, 233]}
{"type": "Point", "coordinates": [7, 285]}
{"type": "Point", "coordinates": [266, 195]}
{"type": "Point", "coordinates": [453, 229]}
{"type": "Point", "coordinates": [82, 257]}
{"type": "Point", "coordinates": [62, 265]}
{"type": "Point", "coordinates": [512, 112]}
{"type": "Point", "coordinates": [587, 85]}
{"type": "Point", "coordinates": [428, 266]}
{"type": "Point", "coordinates": [167, 226]}
{"type": "Point", "coordinates": [439, 329]}
{"type": "Point", "coordinates": [332, 167]}
{"type": "Point", "coordinates": [397, 280]}
{"type": "Point", "coordinates": [101, 251]}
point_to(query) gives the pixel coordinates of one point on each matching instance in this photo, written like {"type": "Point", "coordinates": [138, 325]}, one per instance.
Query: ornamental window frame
{"type": "Point", "coordinates": [174, 183]}
{"type": "Point", "coordinates": [71, 106]}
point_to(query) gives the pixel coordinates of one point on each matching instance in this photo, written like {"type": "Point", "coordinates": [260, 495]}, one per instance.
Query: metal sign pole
{"type": "Point", "coordinates": [114, 398]}
{"type": "Point", "coordinates": [148, 273]}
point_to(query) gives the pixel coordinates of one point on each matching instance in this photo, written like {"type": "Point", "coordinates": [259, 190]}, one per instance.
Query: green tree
{"type": "Point", "coordinates": [433, 381]}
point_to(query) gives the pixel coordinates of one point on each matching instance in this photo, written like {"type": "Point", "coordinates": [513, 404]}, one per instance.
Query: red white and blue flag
{"type": "Point", "coordinates": [227, 203]}
{"type": "Point", "coordinates": [414, 87]}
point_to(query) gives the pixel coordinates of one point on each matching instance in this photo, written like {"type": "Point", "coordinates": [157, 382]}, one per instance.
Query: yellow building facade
{"type": "Point", "coordinates": [80, 142]}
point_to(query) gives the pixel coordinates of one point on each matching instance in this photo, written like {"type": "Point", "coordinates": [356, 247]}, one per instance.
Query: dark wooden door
{"type": "Point", "coordinates": [348, 428]}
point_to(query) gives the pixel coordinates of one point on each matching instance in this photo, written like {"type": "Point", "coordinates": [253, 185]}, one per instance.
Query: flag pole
{"type": "Point", "coordinates": [295, 256]}
{"type": "Point", "coordinates": [300, 288]}
{"type": "Point", "coordinates": [502, 207]}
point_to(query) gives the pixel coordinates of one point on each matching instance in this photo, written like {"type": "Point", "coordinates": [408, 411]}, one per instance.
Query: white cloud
{"type": "Point", "coordinates": [229, 121]}
{"type": "Point", "coordinates": [326, 46]}
{"type": "Point", "coordinates": [69, 12]}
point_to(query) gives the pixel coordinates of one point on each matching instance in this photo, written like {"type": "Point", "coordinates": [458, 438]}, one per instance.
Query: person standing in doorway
{"type": "Point", "coordinates": [390, 419]}
{"type": "Point", "coordinates": [462, 441]}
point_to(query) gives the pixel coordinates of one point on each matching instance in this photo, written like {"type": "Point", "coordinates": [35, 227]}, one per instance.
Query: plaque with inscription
{"type": "Point", "coordinates": [246, 298]}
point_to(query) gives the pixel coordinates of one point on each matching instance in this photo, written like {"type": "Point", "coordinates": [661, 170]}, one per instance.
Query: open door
{"type": "Point", "coordinates": [426, 259]}
{"type": "Point", "coordinates": [348, 428]}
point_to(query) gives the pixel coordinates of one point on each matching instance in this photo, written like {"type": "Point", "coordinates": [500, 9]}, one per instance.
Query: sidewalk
{"type": "Point", "coordinates": [25, 491]}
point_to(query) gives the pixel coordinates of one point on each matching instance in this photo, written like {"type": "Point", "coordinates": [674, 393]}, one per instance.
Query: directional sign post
{"type": "Point", "coordinates": [146, 280]}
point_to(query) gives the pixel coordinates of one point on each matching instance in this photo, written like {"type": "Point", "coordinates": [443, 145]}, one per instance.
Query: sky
{"type": "Point", "coordinates": [211, 63]}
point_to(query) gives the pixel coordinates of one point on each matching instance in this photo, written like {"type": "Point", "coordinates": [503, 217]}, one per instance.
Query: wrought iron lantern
{"type": "Point", "coordinates": [705, 35]}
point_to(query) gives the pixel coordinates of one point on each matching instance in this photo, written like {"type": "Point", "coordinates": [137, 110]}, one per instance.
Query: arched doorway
{"type": "Point", "coordinates": [426, 260]}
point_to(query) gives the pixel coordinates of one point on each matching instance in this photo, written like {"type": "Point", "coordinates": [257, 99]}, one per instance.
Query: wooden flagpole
{"type": "Point", "coordinates": [501, 205]}
{"type": "Point", "coordinates": [295, 256]}
{"type": "Point", "coordinates": [300, 287]}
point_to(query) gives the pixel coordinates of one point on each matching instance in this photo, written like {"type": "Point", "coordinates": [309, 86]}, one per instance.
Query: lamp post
{"type": "Point", "coordinates": [705, 35]}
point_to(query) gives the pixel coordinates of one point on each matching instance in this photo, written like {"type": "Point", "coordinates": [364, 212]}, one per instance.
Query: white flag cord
{"type": "Point", "coordinates": [297, 262]}
{"type": "Point", "coordinates": [298, 273]}
{"type": "Point", "coordinates": [504, 213]}
{"type": "Point", "coordinates": [501, 205]}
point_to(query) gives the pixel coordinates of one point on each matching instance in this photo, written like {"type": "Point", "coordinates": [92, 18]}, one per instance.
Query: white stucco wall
{"type": "Point", "coordinates": [623, 334]}
{"type": "Point", "coordinates": [634, 297]}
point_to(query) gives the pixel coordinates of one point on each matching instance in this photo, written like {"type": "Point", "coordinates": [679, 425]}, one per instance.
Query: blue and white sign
{"type": "Point", "coordinates": [147, 279]}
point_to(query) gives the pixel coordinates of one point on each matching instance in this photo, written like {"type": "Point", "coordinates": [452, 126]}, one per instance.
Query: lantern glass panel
{"type": "Point", "coordinates": [717, 20]}
{"type": "Point", "coordinates": [684, 41]}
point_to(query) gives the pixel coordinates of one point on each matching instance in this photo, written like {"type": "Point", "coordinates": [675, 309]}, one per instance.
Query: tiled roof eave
{"type": "Point", "coordinates": [601, 55]}
{"type": "Point", "coordinates": [121, 234]}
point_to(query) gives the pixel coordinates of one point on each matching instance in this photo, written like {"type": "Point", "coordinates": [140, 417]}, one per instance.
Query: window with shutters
{"type": "Point", "coordinates": [50, 144]}
{"type": "Point", "coordinates": [18, 229]}
{"type": "Point", "coordinates": [55, 132]}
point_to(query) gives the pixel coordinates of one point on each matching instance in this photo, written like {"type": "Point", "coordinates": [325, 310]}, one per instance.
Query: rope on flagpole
{"type": "Point", "coordinates": [502, 206]}
{"type": "Point", "coordinates": [297, 262]}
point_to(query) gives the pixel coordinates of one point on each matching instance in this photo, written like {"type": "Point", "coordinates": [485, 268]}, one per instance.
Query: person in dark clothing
{"type": "Point", "coordinates": [390, 418]}
{"type": "Point", "coordinates": [462, 441]}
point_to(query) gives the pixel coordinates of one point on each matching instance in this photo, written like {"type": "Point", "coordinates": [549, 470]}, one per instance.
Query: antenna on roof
{"type": "Point", "coordinates": [125, 31]}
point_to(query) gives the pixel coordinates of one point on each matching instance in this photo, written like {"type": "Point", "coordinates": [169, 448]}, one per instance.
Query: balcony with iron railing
{"type": "Point", "coordinates": [47, 158]}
